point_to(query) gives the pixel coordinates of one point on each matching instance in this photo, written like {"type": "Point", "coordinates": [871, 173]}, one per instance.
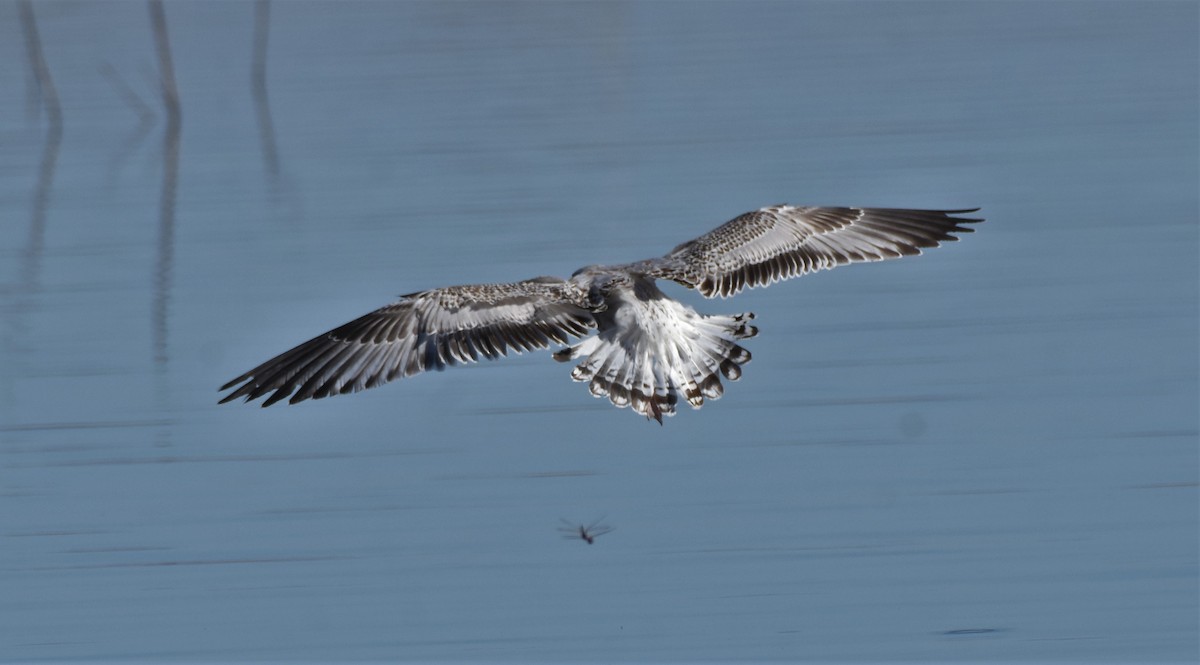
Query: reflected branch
{"type": "Point", "coordinates": [31, 257]}
{"type": "Point", "coordinates": [166, 69]}
{"type": "Point", "coordinates": [126, 93]}
{"type": "Point", "coordinates": [146, 117]}
{"type": "Point", "coordinates": [166, 219]}
{"type": "Point", "coordinates": [258, 87]}
{"type": "Point", "coordinates": [41, 85]}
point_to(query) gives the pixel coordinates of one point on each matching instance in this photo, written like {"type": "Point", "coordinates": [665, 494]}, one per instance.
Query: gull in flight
{"type": "Point", "coordinates": [649, 350]}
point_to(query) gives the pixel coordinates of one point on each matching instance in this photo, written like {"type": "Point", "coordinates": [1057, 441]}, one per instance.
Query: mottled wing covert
{"type": "Point", "coordinates": [780, 242]}
{"type": "Point", "coordinates": [422, 331]}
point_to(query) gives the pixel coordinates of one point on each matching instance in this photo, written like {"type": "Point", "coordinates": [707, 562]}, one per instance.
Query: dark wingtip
{"type": "Point", "coordinates": [964, 220]}
{"type": "Point", "coordinates": [279, 395]}
{"type": "Point", "coordinates": [233, 383]}
{"type": "Point", "coordinates": [238, 391]}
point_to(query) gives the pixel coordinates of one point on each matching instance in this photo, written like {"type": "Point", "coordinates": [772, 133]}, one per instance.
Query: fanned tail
{"type": "Point", "coordinates": [671, 351]}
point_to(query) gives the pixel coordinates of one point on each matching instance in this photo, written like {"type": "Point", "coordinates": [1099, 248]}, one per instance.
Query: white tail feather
{"type": "Point", "coordinates": [650, 350]}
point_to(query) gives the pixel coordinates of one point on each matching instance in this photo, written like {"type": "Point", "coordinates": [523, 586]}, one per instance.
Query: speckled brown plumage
{"type": "Point", "coordinates": [649, 350]}
{"type": "Point", "coordinates": [780, 242]}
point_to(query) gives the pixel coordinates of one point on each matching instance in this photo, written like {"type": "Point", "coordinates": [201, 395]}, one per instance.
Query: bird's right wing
{"type": "Point", "coordinates": [422, 331]}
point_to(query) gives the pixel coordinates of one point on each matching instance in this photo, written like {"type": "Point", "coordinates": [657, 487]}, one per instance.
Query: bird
{"type": "Point", "coordinates": [649, 351]}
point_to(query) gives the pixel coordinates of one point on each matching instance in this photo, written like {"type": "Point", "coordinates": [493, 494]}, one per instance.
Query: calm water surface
{"type": "Point", "coordinates": [986, 453]}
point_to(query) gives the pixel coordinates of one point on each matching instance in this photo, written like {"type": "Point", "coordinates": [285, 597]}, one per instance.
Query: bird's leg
{"type": "Point", "coordinates": [655, 411]}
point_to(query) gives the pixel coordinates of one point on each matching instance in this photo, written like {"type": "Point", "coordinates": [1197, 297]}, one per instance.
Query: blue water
{"type": "Point", "coordinates": [989, 452]}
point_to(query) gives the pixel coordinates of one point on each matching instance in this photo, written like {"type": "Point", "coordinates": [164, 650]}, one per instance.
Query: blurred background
{"type": "Point", "coordinates": [989, 452]}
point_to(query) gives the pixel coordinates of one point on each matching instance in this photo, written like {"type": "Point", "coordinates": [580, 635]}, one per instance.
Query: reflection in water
{"type": "Point", "coordinates": [31, 257]}
{"type": "Point", "coordinates": [258, 87]}
{"type": "Point", "coordinates": [166, 218]}
{"type": "Point", "coordinates": [145, 120]}
{"type": "Point", "coordinates": [166, 214]}
{"type": "Point", "coordinates": [126, 93]}
{"type": "Point", "coordinates": [16, 318]}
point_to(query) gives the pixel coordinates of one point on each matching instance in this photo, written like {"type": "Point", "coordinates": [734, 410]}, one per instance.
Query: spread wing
{"type": "Point", "coordinates": [780, 242]}
{"type": "Point", "coordinates": [422, 331]}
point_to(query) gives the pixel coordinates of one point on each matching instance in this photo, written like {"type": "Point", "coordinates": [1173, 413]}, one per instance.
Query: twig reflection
{"type": "Point", "coordinates": [146, 117]}
{"type": "Point", "coordinates": [126, 93]}
{"type": "Point", "coordinates": [166, 219]}
{"type": "Point", "coordinates": [258, 88]}
{"type": "Point", "coordinates": [35, 244]}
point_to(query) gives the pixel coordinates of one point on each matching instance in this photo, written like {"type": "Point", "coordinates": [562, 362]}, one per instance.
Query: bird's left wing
{"type": "Point", "coordinates": [422, 331]}
{"type": "Point", "coordinates": [780, 242]}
